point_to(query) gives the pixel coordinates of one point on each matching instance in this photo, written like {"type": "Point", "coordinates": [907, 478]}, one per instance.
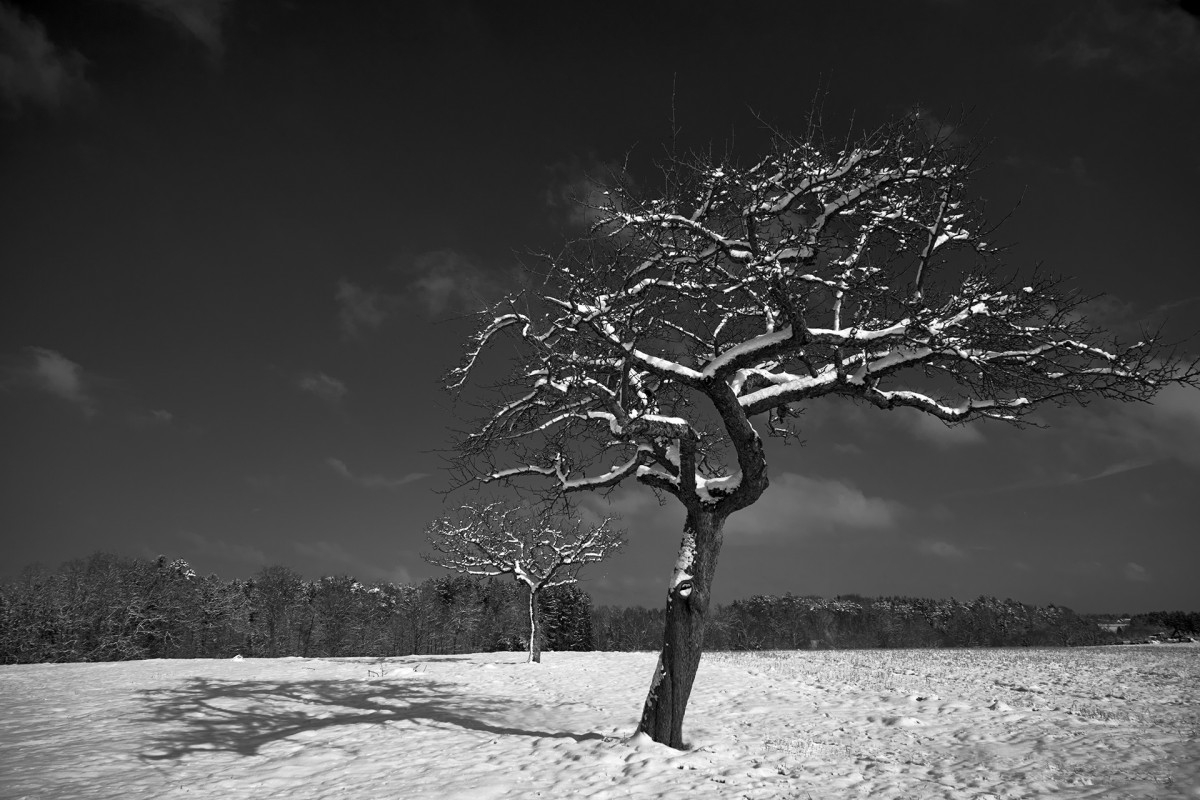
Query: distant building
{"type": "Point", "coordinates": [1114, 627]}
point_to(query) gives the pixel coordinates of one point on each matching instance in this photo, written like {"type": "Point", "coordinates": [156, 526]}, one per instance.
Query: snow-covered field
{"type": "Point", "coordinates": [1105, 722]}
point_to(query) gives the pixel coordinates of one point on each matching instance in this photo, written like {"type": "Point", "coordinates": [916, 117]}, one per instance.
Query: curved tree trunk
{"type": "Point", "coordinates": [535, 647]}
{"type": "Point", "coordinates": [683, 637]}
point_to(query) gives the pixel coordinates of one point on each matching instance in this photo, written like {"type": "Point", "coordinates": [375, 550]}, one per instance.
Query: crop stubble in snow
{"type": "Point", "coordinates": [1103, 722]}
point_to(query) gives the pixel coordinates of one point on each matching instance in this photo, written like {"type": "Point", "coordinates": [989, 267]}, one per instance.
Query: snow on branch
{"type": "Point", "coordinates": [539, 551]}
{"type": "Point", "coordinates": [492, 539]}
{"type": "Point", "coordinates": [654, 345]}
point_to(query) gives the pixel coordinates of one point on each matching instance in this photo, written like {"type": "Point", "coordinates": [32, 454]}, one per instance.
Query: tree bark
{"type": "Point", "coordinates": [535, 647]}
{"type": "Point", "coordinates": [683, 636]}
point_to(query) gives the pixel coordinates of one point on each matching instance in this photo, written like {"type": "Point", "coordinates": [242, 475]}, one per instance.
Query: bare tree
{"type": "Point", "coordinates": [686, 323]}
{"type": "Point", "coordinates": [276, 592]}
{"type": "Point", "coordinates": [541, 552]}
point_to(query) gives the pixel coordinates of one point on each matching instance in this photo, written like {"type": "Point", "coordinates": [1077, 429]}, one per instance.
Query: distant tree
{"type": "Point", "coordinates": [337, 621]}
{"type": "Point", "coordinates": [503, 612]}
{"type": "Point", "coordinates": [494, 539]}
{"type": "Point", "coordinates": [694, 319]}
{"type": "Point", "coordinates": [459, 613]}
{"type": "Point", "coordinates": [565, 613]}
{"type": "Point", "coordinates": [628, 628]}
{"type": "Point", "coordinates": [414, 620]}
{"type": "Point", "coordinates": [169, 613]}
{"type": "Point", "coordinates": [276, 593]}
{"type": "Point", "coordinates": [35, 619]}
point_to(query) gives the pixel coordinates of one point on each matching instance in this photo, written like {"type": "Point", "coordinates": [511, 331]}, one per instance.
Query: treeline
{"type": "Point", "coordinates": [850, 621]}
{"type": "Point", "coordinates": [1170, 622]}
{"type": "Point", "coordinates": [113, 608]}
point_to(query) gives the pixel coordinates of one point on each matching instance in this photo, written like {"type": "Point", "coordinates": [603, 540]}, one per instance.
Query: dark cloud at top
{"type": "Point", "coordinates": [37, 70]}
{"type": "Point", "coordinates": [1133, 38]}
{"type": "Point", "coordinates": [197, 19]}
{"type": "Point", "coordinates": [33, 69]}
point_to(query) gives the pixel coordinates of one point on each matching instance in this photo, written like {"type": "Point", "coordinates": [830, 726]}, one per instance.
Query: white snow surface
{"type": "Point", "coordinates": [1082, 723]}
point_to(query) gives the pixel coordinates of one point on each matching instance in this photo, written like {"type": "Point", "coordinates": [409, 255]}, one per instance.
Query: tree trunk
{"type": "Point", "coordinates": [535, 647]}
{"type": "Point", "coordinates": [683, 637]}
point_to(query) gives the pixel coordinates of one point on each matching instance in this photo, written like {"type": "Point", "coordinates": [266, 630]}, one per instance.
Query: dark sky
{"type": "Point", "coordinates": [237, 239]}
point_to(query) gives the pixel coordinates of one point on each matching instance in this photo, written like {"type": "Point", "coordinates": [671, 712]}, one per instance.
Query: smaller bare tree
{"type": "Point", "coordinates": [541, 552]}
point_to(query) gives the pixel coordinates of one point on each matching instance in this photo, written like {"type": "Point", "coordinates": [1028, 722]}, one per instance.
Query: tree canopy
{"type": "Point", "coordinates": [700, 315]}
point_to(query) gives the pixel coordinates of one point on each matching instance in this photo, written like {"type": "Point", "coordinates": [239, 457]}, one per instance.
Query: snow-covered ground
{"type": "Point", "coordinates": [1106, 722]}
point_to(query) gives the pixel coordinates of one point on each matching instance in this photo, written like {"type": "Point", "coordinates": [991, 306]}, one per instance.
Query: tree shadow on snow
{"type": "Point", "coordinates": [242, 716]}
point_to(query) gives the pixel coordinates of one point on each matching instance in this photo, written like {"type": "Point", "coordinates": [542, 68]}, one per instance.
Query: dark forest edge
{"type": "Point", "coordinates": [114, 608]}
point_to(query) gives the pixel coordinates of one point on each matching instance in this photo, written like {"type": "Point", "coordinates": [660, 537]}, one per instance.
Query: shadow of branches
{"type": "Point", "coordinates": [241, 717]}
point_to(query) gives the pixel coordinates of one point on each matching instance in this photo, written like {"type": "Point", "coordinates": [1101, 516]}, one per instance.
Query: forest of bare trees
{"type": "Point", "coordinates": [790, 622]}
{"type": "Point", "coordinates": [113, 608]}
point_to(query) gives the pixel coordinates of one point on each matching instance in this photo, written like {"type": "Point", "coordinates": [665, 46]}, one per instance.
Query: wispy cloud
{"type": "Point", "coordinates": [1135, 572]}
{"type": "Point", "coordinates": [941, 549]}
{"type": "Point", "coordinates": [797, 505]}
{"type": "Point", "coordinates": [322, 386]}
{"type": "Point", "coordinates": [432, 283]}
{"type": "Point", "coordinates": [49, 372]}
{"type": "Point", "coordinates": [1133, 38]}
{"type": "Point", "coordinates": [862, 423]}
{"type": "Point", "coordinates": [1107, 311]}
{"type": "Point", "coordinates": [1108, 439]}
{"type": "Point", "coordinates": [53, 373]}
{"type": "Point", "coordinates": [794, 507]}
{"type": "Point", "coordinates": [35, 70]}
{"type": "Point", "coordinates": [1114, 469]}
{"type": "Point", "coordinates": [32, 68]}
{"type": "Point", "coordinates": [578, 186]}
{"type": "Point", "coordinates": [446, 280]}
{"type": "Point", "coordinates": [1173, 304]}
{"type": "Point", "coordinates": [1050, 480]}
{"type": "Point", "coordinates": [1167, 428]}
{"type": "Point", "coordinates": [373, 481]}
{"type": "Point", "coordinates": [932, 430]}
{"type": "Point", "coordinates": [151, 418]}
{"type": "Point", "coordinates": [197, 19]}
{"type": "Point", "coordinates": [361, 310]}
{"type": "Point", "coordinates": [59, 375]}
{"type": "Point", "coordinates": [937, 130]}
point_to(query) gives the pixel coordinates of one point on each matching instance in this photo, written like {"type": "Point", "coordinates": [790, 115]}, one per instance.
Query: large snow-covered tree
{"type": "Point", "coordinates": [691, 321]}
{"type": "Point", "coordinates": [540, 551]}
